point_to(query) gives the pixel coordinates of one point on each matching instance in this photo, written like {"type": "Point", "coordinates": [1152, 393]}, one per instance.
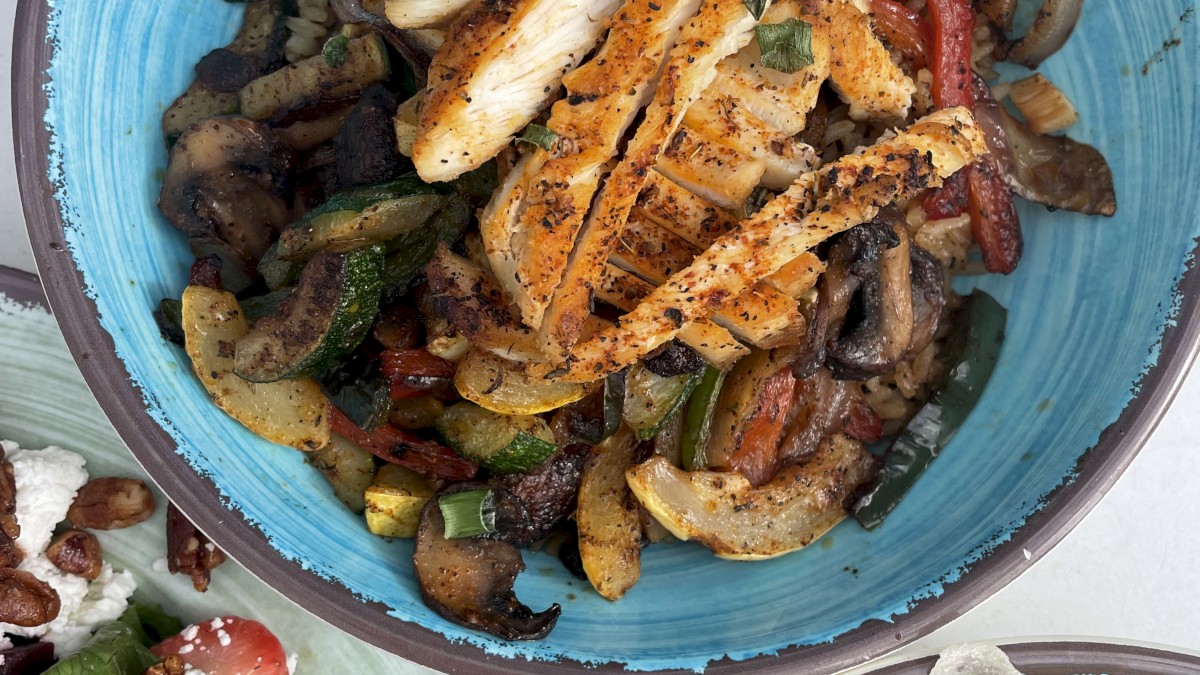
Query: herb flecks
{"type": "Point", "coordinates": [536, 134]}
{"type": "Point", "coordinates": [785, 46]}
{"type": "Point", "coordinates": [757, 8]}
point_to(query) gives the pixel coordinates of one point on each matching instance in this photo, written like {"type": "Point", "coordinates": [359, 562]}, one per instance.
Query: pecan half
{"type": "Point", "coordinates": [111, 504]}
{"type": "Point", "coordinates": [76, 552]}
{"type": "Point", "coordinates": [10, 529]}
{"type": "Point", "coordinates": [26, 600]}
{"type": "Point", "coordinates": [189, 551]}
{"type": "Point", "coordinates": [172, 665]}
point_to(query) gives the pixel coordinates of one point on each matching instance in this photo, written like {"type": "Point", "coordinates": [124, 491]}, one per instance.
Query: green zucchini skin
{"type": "Point", "coordinates": [325, 318]}
{"type": "Point", "coordinates": [651, 401]}
{"type": "Point", "coordinates": [501, 443]}
{"type": "Point", "coordinates": [973, 350]}
{"type": "Point", "coordinates": [698, 415]}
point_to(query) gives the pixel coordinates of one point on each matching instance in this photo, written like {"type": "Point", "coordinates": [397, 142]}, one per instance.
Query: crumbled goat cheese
{"type": "Point", "coordinates": [973, 659]}
{"type": "Point", "coordinates": [47, 481]}
{"type": "Point", "coordinates": [291, 663]}
{"type": "Point", "coordinates": [160, 566]}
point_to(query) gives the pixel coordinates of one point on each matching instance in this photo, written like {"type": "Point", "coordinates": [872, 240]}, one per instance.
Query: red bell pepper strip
{"type": "Point", "coordinates": [994, 221]}
{"type": "Point", "coordinates": [903, 29]}
{"type": "Point", "coordinates": [401, 363]}
{"type": "Point", "coordinates": [757, 453]}
{"type": "Point", "coordinates": [953, 23]}
{"type": "Point", "coordinates": [397, 446]}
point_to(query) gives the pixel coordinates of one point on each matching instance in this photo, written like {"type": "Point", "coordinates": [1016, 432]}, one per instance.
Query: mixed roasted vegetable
{"type": "Point", "coordinates": [603, 274]}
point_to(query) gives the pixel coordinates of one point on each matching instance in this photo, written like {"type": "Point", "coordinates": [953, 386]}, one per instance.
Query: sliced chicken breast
{"type": "Point", "coordinates": [603, 97]}
{"type": "Point", "coordinates": [850, 191]}
{"type": "Point", "coordinates": [501, 64]}
{"type": "Point", "coordinates": [862, 71]}
{"type": "Point", "coordinates": [721, 28]}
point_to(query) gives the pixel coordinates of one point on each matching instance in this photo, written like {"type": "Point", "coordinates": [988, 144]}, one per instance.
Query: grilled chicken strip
{"type": "Point", "coordinates": [780, 100]}
{"type": "Point", "coordinates": [545, 206]}
{"type": "Point", "coordinates": [724, 118]}
{"type": "Point", "coordinates": [721, 28]}
{"type": "Point", "coordinates": [762, 316]}
{"type": "Point", "coordinates": [624, 291]}
{"type": "Point", "coordinates": [422, 13]}
{"type": "Point", "coordinates": [861, 70]}
{"type": "Point", "coordinates": [850, 191]}
{"type": "Point", "coordinates": [501, 64]}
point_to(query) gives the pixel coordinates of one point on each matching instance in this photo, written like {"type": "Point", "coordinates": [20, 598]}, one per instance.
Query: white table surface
{"type": "Point", "coordinates": [1128, 572]}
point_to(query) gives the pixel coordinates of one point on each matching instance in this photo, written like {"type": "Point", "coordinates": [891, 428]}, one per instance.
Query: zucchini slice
{"type": "Point", "coordinates": [394, 501]}
{"type": "Point", "coordinates": [327, 316]}
{"type": "Point", "coordinates": [698, 417]}
{"type": "Point", "coordinates": [291, 412]}
{"type": "Point", "coordinates": [361, 217]}
{"type": "Point", "coordinates": [652, 400]}
{"type": "Point", "coordinates": [502, 443]}
{"type": "Point", "coordinates": [347, 230]}
{"type": "Point", "coordinates": [313, 81]}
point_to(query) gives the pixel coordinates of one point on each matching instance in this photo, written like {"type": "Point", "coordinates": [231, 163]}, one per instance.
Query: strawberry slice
{"type": "Point", "coordinates": [227, 645]}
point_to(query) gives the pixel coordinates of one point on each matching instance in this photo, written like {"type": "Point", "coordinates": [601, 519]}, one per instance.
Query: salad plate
{"type": "Point", "coordinates": [44, 402]}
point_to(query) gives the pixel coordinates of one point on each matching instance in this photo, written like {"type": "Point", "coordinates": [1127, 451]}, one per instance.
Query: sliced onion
{"type": "Point", "coordinates": [352, 11]}
{"type": "Point", "coordinates": [1051, 170]}
{"type": "Point", "coordinates": [1055, 21]}
{"type": "Point", "coordinates": [999, 12]}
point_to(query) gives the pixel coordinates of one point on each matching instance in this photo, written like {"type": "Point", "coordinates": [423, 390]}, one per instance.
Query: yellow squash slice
{"type": "Point", "coordinates": [288, 412]}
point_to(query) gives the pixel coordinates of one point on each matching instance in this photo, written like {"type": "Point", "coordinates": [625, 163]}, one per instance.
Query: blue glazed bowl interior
{"type": "Point", "coordinates": [1088, 306]}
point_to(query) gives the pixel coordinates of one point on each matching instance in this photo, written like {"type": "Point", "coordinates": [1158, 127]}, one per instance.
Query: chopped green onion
{"type": "Point", "coordinates": [334, 51]}
{"type": "Point", "coordinates": [536, 134]}
{"type": "Point", "coordinates": [756, 7]}
{"type": "Point", "coordinates": [468, 513]}
{"type": "Point", "coordinates": [786, 46]}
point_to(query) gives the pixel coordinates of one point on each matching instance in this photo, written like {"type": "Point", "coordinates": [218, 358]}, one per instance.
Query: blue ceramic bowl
{"type": "Point", "coordinates": [1101, 331]}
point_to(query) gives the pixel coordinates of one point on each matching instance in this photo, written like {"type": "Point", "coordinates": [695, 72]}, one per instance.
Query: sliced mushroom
{"type": "Point", "coordinates": [470, 580]}
{"type": "Point", "coordinates": [228, 179]}
{"type": "Point", "coordinates": [928, 298]}
{"type": "Point", "coordinates": [1054, 171]}
{"type": "Point", "coordinates": [882, 297]}
{"type": "Point", "coordinates": [365, 146]}
{"type": "Point", "coordinates": [872, 269]}
{"type": "Point", "coordinates": [548, 492]}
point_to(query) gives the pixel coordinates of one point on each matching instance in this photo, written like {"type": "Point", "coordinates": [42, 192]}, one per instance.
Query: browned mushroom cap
{"type": "Point", "coordinates": [868, 287]}
{"type": "Point", "coordinates": [365, 146]}
{"type": "Point", "coordinates": [227, 179]}
{"type": "Point", "coordinates": [470, 580]}
{"type": "Point", "coordinates": [883, 297]}
{"type": "Point", "coordinates": [928, 298]}
{"type": "Point", "coordinates": [548, 493]}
